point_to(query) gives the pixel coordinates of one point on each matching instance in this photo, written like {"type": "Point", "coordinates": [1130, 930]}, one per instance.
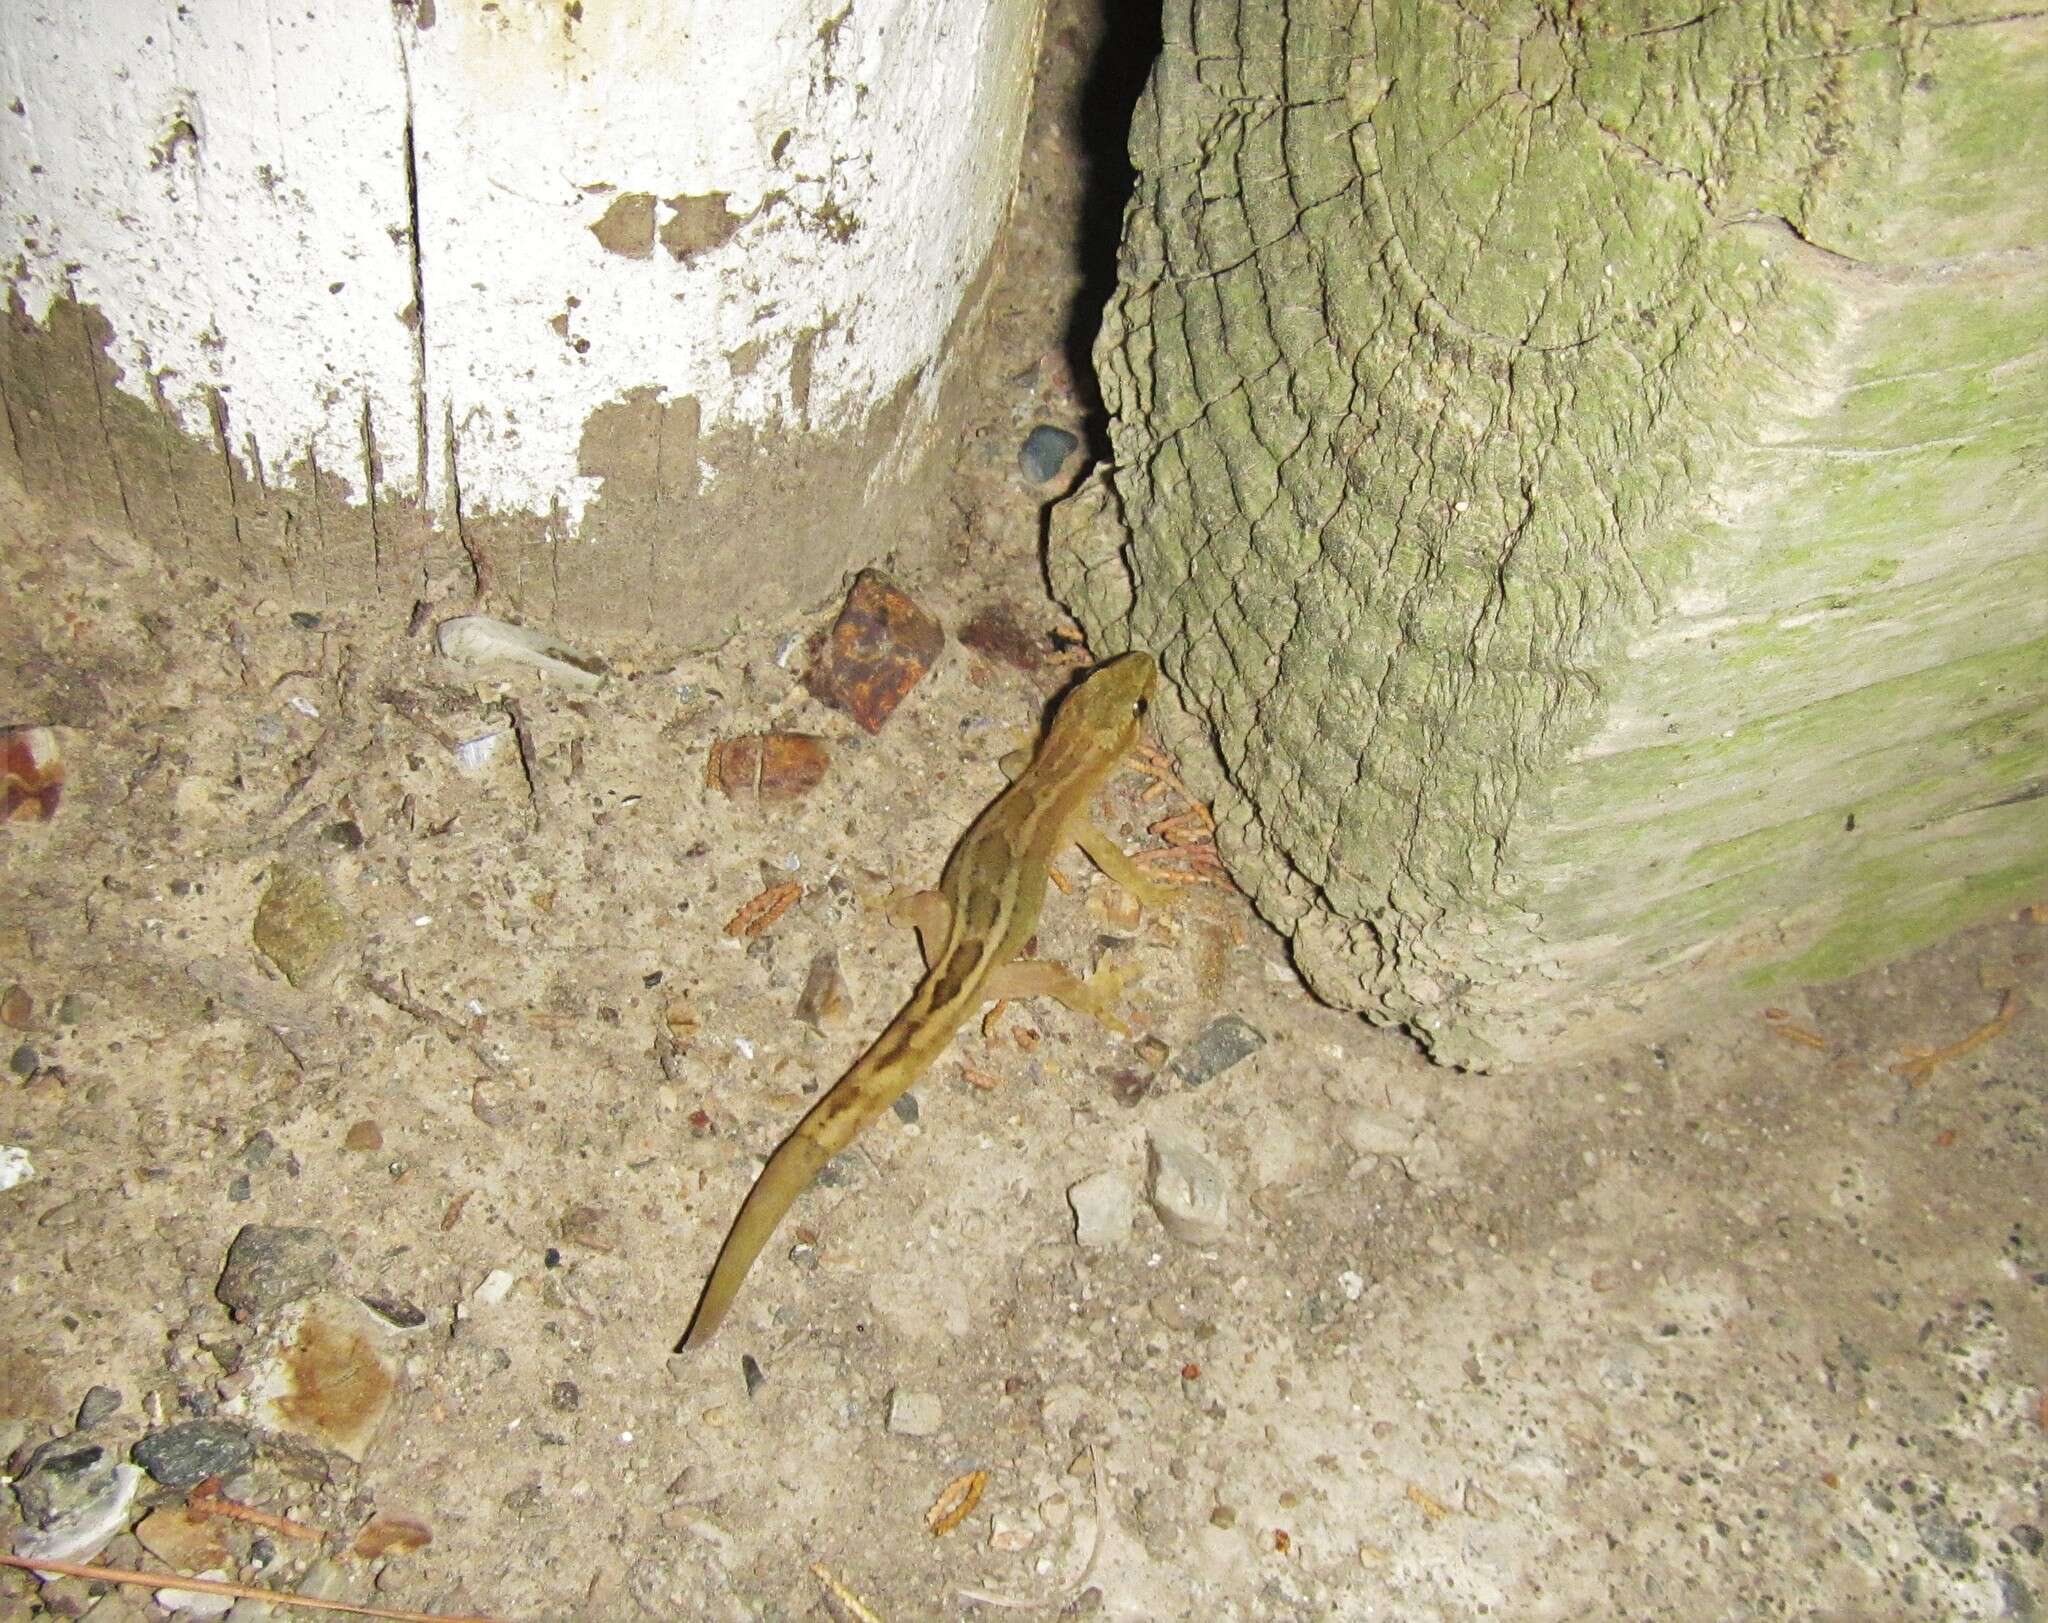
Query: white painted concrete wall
{"type": "Point", "coordinates": [228, 182]}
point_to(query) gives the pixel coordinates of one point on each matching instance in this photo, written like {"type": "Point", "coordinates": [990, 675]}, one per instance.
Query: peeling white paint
{"type": "Point", "coordinates": [226, 183]}
{"type": "Point", "coordinates": [229, 184]}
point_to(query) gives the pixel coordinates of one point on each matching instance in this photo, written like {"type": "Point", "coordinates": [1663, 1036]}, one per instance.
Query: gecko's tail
{"type": "Point", "coordinates": [894, 1061]}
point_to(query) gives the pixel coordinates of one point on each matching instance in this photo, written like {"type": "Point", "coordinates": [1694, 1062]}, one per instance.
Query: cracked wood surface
{"type": "Point", "coordinates": [1583, 477]}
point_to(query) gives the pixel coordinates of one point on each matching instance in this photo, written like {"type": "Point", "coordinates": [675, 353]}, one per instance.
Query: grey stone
{"type": "Point", "coordinates": [1186, 1189]}
{"type": "Point", "coordinates": [63, 1474]}
{"type": "Point", "coordinates": [1104, 1206]}
{"type": "Point", "coordinates": [1220, 1045]}
{"type": "Point", "coordinates": [193, 1450]}
{"type": "Point", "coordinates": [1044, 453]}
{"type": "Point", "coordinates": [74, 1495]}
{"type": "Point", "coordinates": [98, 1404]}
{"type": "Point", "coordinates": [269, 1266]}
{"type": "Point", "coordinates": [914, 1414]}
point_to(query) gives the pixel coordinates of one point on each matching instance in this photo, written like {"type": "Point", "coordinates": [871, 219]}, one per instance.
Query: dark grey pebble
{"type": "Point", "coordinates": [906, 1107]}
{"type": "Point", "coordinates": [395, 1310]}
{"type": "Point", "coordinates": [270, 1265]}
{"type": "Point", "coordinates": [238, 1187]}
{"type": "Point", "coordinates": [24, 1061]}
{"type": "Point", "coordinates": [750, 1372]}
{"type": "Point", "coordinates": [70, 1009]}
{"type": "Point", "coordinates": [305, 619]}
{"type": "Point", "coordinates": [1223, 1042]}
{"type": "Point", "coordinates": [99, 1403]}
{"type": "Point", "coordinates": [61, 1477]}
{"type": "Point", "coordinates": [348, 834]}
{"type": "Point", "coordinates": [193, 1450]}
{"type": "Point", "coordinates": [566, 1396]}
{"type": "Point", "coordinates": [1044, 453]}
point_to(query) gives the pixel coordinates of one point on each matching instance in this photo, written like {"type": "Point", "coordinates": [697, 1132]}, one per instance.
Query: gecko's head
{"type": "Point", "coordinates": [1118, 686]}
{"type": "Point", "coordinates": [1100, 715]}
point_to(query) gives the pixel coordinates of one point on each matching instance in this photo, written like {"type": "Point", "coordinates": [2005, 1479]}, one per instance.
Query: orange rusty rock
{"type": "Point", "coordinates": [767, 766]}
{"type": "Point", "coordinates": [31, 774]}
{"type": "Point", "coordinates": [390, 1532]}
{"type": "Point", "coordinates": [876, 652]}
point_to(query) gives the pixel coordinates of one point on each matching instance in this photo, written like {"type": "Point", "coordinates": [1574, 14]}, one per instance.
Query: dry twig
{"type": "Point", "coordinates": [1919, 1064]}
{"type": "Point", "coordinates": [215, 1586]}
{"type": "Point", "coordinates": [763, 910]}
{"type": "Point", "coordinates": [206, 1499]}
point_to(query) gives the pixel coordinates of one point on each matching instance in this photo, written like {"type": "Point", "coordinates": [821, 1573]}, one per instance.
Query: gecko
{"type": "Point", "coordinates": [972, 929]}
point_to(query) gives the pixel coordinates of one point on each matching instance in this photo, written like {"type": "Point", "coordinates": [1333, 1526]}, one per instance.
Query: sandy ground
{"type": "Point", "coordinates": [1739, 1323]}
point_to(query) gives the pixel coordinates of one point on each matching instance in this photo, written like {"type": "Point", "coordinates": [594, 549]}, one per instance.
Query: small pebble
{"type": "Point", "coordinates": [17, 1008]}
{"type": "Point", "coordinates": [98, 1404]}
{"type": "Point", "coordinates": [914, 1414]}
{"type": "Point", "coordinates": [1222, 1043]}
{"type": "Point", "coordinates": [1044, 453]}
{"type": "Point", "coordinates": [24, 1061]}
{"type": "Point", "coordinates": [182, 1539]}
{"type": "Point", "coordinates": [395, 1311]}
{"type": "Point", "coordinates": [239, 1188]}
{"type": "Point", "coordinates": [257, 1152]}
{"type": "Point", "coordinates": [299, 925]}
{"type": "Point", "coordinates": [1186, 1190]}
{"type": "Point", "coordinates": [61, 1477]}
{"type": "Point", "coordinates": [391, 1532]}
{"type": "Point", "coordinates": [566, 1397]}
{"type": "Point", "coordinates": [750, 1372]}
{"type": "Point", "coordinates": [270, 1265]}
{"type": "Point", "coordinates": [195, 1602]}
{"type": "Point", "coordinates": [192, 1450]}
{"type": "Point", "coordinates": [1104, 1206]}
{"type": "Point", "coordinates": [906, 1108]}
{"type": "Point", "coordinates": [364, 1136]}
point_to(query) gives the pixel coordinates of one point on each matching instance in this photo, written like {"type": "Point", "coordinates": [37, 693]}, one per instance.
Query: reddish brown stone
{"type": "Point", "coordinates": [876, 652]}
{"type": "Point", "coordinates": [392, 1533]}
{"type": "Point", "coordinates": [31, 774]}
{"type": "Point", "coordinates": [768, 766]}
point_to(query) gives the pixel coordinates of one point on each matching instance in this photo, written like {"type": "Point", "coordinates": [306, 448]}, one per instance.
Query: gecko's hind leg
{"type": "Point", "coordinates": [1096, 997]}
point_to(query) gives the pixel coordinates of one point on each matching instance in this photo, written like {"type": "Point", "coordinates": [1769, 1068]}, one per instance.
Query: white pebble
{"type": "Point", "coordinates": [914, 1414]}
{"type": "Point", "coordinates": [1187, 1190]}
{"type": "Point", "coordinates": [1104, 1207]}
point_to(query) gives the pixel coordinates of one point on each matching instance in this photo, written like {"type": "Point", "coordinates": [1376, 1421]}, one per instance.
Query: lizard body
{"type": "Point", "coordinates": [993, 889]}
